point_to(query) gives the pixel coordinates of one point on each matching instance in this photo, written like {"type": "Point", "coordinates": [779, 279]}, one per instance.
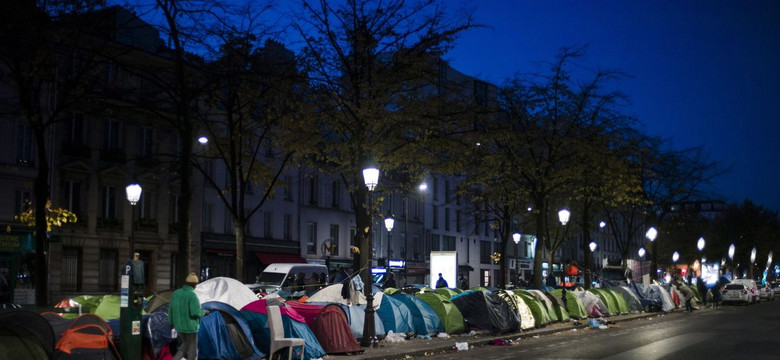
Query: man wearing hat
{"type": "Point", "coordinates": [184, 315]}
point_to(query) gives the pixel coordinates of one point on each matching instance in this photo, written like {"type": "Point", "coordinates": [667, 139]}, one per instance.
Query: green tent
{"type": "Point", "coordinates": [527, 320]}
{"type": "Point", "coordinates": [609, 301]}
{"type": "Point", "coordinates": [446, 292]}
{"type": "Point", "coordinates": [451, 318]}
{"type": "Point", "coordinates": [621, 302]}
{"type": "Point", "coordinates": [538, 309]}
{"type": "Point", "coordinates": [108, 308]}
{"type": "Point", "coordinates": [480, 288]}
{"type": "Point", "coordinates": [575, 307]}
{"type": "Point", "coordinates": [390, 291]}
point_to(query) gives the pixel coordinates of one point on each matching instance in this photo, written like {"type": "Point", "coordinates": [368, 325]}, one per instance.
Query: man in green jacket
{"type": "Point", "coordinates": [184, 315]}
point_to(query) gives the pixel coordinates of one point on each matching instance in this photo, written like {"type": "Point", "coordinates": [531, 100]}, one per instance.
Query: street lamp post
{"type": "Point", "coordinates": [516, 238]}
{"type": "Point", "coordinates": [389, 223]}
{"type": "Point", "coordinates": [752, 260]}
{"type": "Point", "coordinates": [563, 217]}
{"type": "Point", "coordinates": [732, 249]}
{"type": "Point", "coordinates": [371, 179]}
{"type": "Point", "coordinates": [592, 246]}
{"type": "Point", "coordinates": [700, 245]}
{"type": "Point", "coordinates": [130, 301]}
{"type": "Point", "coordinates": [641, 254]}
{"type": "Point", "coordinates": [651, 235]}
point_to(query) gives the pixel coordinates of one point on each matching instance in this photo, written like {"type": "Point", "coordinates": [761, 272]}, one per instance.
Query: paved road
{"type": "Point", "coordinates": [729, 332]}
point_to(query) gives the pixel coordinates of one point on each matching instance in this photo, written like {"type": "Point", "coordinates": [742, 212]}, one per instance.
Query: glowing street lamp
{"type": "Point", "coordinates": [563, 216]}
{"type": "Point", "coordinates": [641, 252]}
{"type": "Point", "coordinates": [675, 257]}
{"type": "Point", "coordinates": [651, 235]}
{"type": "Point", "coordinates": [732, 249]}
{"type": "Point", "coordinates": [389, 223]}
{"type": "Point", "coordinates": [371, 179]}
{"type": "Point", "coordinates": [700, 244]}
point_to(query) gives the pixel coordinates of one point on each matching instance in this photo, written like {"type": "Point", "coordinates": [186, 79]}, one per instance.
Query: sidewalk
{"type": "Point", "coordinates": [421, 347]}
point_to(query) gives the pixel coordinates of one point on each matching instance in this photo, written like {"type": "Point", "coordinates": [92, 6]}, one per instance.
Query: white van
{"type": "Point", "coordinates": [293, 280]}
{"type": "Point", "coordinates": [752, 288]}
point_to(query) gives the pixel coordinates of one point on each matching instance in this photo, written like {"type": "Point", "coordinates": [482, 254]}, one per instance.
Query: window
{"type": "Point", "coordinates": [208, 217]}
{"type": "Point", "coordinates": [313, 190]}
{"type": "Point", "coordinates": [22, 201]}
{"type": "Point", "coordinates": [107, 277]}
{"type": "Point", "coordinates": [287, 227]}
{"type": "Point", "coordinates": [485, 251]}
{"type": "Point", "coordinates": [403, 245]}
{"type": "Point", "coordinates": [75, 129]}
{"type": "Point", "coordinates": [435, 189]}
{"type": "Point", "coordinates": [174, 206]}
{"type": "Point", "coordinates": [335, 194]}
{"type": "Point", "coordinates": [353, 237]}
{"type": "Point", "coordinates": [267, 221]}
{"type": "Point", "coordinates": [146, 204]}
{"type": "Point", "coordinates": [485, 277]}
{"type": "Point", "coordinates": [446, 190]}
{"type": "Point", "coordinates": [435, 217]}
{"type": "Point", "coordinates": [71, 269]}
{"type": "Point", "coordinates": [72, 196]}
{"type": "Point", "coordinates": [146, 147]}
{"type": "Point", "coordinates": [24, 145]}
{"type": "Point", "coordinates": [228, 222]}
{"type": "Point", "coordinates": [108, 202]}
{"type": "Point", "coordinates": [389, 199]}
{"type": "Point", "coordinates": [208, 173]}
{"type": "Point", "coordinates": [480, 93]}
{"type": "Point", "coordinates": [435, 243]}
{"type": "Point", "coordinates": [448, 243]}
{"type": "Point", "coordinates": [447, 219]}
{"type": "Point", "coordinates": [111, 136]}
{"type": "Point", "coordinates": [311, 238]}
{"type": "Point", "coordinates": [334, 238]}
{"type": "Point", "coordinates": [288, 188]}
{"type": "Point", "coordinates": [418, 247]}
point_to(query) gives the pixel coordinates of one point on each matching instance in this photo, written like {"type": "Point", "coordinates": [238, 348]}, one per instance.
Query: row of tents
{"type": "Point", "coordinates": [236, 325]}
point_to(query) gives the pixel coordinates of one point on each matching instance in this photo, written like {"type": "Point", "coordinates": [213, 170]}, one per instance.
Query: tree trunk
{"type": "Point", "coordinates": [238, 227]}
{"type": "Point", "coordinates": [41, 276]}
{"type": "Point", "coordinates": [185, 206]}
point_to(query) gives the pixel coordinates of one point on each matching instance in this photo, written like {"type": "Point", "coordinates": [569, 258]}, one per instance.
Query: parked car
{"type": "Point", "coordinates": [737, 293]}
{"type": "Point", "coordinates": [767, 293]}
{"type": "Point", "coordinates": [752, 288]}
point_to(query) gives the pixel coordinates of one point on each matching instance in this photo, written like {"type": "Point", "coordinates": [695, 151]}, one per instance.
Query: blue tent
{"type": "Point", "coordinates": [292, 329]}
{"type": "Point", "coordinates": [395, 315]}
{"type": "Point", "coordinates": [425, 319]}
{"type": "Point", "coordinates": [225, 334]}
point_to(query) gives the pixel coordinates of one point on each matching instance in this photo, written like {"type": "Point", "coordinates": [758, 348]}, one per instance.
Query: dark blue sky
{"type": "Point", "coordinates": [701, 72]}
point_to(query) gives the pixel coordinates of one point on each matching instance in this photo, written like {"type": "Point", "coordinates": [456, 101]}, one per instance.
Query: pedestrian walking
{"type": "Point", "coordinates": [441, 283]}
{"type": "Point", "coordinates": [184, 315]}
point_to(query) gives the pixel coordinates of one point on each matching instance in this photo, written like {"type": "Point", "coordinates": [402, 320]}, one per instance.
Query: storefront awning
{"type": "Point", "coordinates": [271, 258]}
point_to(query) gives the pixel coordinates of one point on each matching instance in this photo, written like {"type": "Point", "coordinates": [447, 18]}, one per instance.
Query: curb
{"type": "Point", "coordinates": [477, 341]}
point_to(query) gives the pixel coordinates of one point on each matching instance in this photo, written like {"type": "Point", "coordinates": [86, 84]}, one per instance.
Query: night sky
{"type": "Point", "coordinates": [700, 72]}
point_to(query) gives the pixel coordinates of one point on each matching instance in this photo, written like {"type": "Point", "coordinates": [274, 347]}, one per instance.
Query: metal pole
{"type": "Point", "coordinates": [368, 322]}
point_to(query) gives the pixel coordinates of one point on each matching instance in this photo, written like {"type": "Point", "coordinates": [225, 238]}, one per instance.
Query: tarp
{"type": "Point", "coordinates": [88, 337]}
{"type": "Point", "coordinates": [631, 299]}
{"type": "Point", "coordinates": [517, 304]}
{"type": "Point", "coordinates": [591, 300]}
{"type": "Point", "coordinates": [332, 294]}
{"type": "Point", "coordinates": [225, 334]}
{"type": "Point", "coordinates": [451, 318]}
{"type": "Point", "coordinates": [25, 335]}
{"type": "Point", "coordinates": [426, 321]}
{"type": "Point", "coordinates": [395, 315]}
{"type": "Point", "coordinates": [295, 326]}
{"type": "Point", "coordinates": [333, 332]}
{"type": "Point", "coordinates": [657, 293]}
{"type": "Point", "coordinates": [647, 303]}
{"type": "Point", "coordinates": [538, 309]}
{"type": "Point", "coordinates": [486, 311]}
{"type": "Point", "coordinates": [157, 330]}
{"type": "Point", "coordinates": [225, 290]}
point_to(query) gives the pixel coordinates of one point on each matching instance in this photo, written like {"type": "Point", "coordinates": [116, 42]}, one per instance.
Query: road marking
{"type": "Point", "coordinates": [664, 347]}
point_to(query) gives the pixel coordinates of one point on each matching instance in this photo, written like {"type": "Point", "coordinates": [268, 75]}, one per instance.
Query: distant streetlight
{"type": "Point", "coordinates": [732, 248]}
{"type": "Point", "coordinates": [602, 224]}
{"type": "Point", "coordinates": [700, 244]}
{"type": "Point", "coordinates": [203, 140]}
{"type": "Point", "coordinates": [641, 252]}
{"type": "Point", "coordinates": [389, 223]}
{"type": "Point", "coordinates": [651, 235]}
{"type": "Point", "coordinates": [423, 187]}
{"type": "Point", "coordinates": [133, 192]}
{"type": "Point", "coordinates": [675, 257]}
{"type": "Point", "coordinates": [752, 261]}
{"type": "Point", "coordinates": [592, 246]}
{"type": "Point", "coordinates": [516, 238]}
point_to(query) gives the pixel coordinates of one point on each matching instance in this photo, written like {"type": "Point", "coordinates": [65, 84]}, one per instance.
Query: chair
{"type": "Point", "coordinates": [278, 341]}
